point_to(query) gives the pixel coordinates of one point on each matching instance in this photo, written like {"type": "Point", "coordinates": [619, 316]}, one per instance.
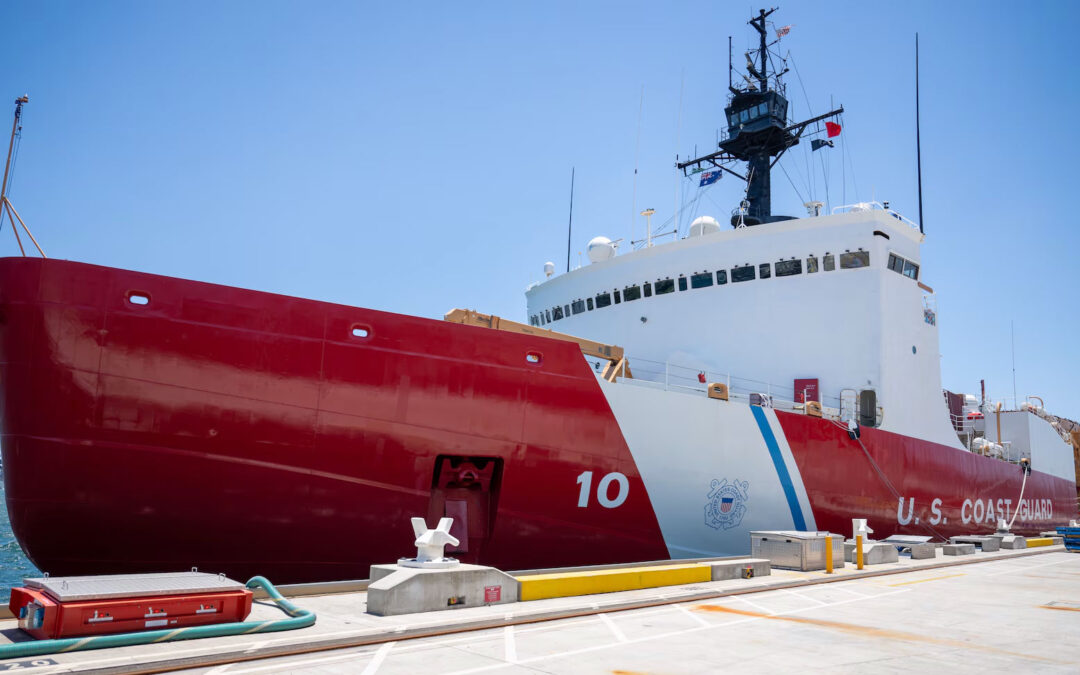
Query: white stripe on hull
{"type": "Point", "coordinates": [685, 448]}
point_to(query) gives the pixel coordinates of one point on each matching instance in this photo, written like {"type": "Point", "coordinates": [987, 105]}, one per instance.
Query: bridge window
{"type": "Point", "coordinates": [556, 313]}
{"type": "Point", "coordinates": [566, 310]}
{"type": "Point", "coordinates": [588, 303]}
{"type": "Point", "coordinates": [618, 298]}
{"type": "Point", "coordinates": [902, 266]}
{"type": "Point", "coordinates": [764, 270]}
{"type": "Point", "coordinates": [577, 306]}
{"type": "Point", "coordinates": [788, 268]}
{"type": "Point", "coordinates": [701, 280]}
{"type": "Point", "coordinates": [742, 273]}
{"type": "Point", "coordinates": [829, 262]}
{"type": "Point", "coordinates": [664, 286]}
{"type": "Point", "coordinates": [648, 289]}
{"type": "Point", "coordinates": [603, 300]}
{"type": "Point", "coordinates": [682, 283]}
{"type": "Point", "coordinates": [854, 260]}
{"type": "Point", "coordinates": [631, 293]}
{"type": "Point", "coordinates": [548, 313]}
{"type": "Point", "coordinates": [811, 265]}
{"type": "Point", "coordinates": [721, 277]}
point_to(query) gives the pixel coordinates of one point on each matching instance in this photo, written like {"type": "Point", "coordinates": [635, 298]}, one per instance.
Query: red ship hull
{"type": "Point", "coordinates": [251, 433]}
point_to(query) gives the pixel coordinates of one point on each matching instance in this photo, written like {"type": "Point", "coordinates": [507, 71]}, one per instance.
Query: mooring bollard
{"type": "Point", "coordinates": [828, 554]}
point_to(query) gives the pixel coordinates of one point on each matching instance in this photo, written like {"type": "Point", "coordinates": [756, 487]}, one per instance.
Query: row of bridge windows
{"type": "Point", "coordinates": [784, 268]}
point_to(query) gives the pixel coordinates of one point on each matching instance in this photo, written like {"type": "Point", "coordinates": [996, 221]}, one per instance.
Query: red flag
{"type": "Point", "coordinates": [832, 129]}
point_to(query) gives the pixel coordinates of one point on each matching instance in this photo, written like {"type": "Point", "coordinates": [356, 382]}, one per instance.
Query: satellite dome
{"type": "Point", "coordinates": [549, 269]}
{"type": "Point", "coordinates": [704, 225]}
{"type": "Point", "coordinates": [601, 249]}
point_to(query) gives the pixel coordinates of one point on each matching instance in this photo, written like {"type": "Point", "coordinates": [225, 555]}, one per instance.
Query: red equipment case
{"type": "Point", "coordinates": [62, 607]}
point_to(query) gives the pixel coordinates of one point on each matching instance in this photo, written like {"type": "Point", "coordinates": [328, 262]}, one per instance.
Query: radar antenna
{"type": "Point", "coordinates": [758, 131]}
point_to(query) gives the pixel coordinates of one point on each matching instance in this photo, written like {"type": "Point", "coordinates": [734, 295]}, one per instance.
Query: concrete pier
{"type": "Point", "coordinates": [912, 614]}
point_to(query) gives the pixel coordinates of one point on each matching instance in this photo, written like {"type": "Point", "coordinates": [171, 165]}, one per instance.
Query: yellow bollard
{"type": "Point", "coordinates": [828, 555]}
{"type": "Point", "coordinates": [858, 552]}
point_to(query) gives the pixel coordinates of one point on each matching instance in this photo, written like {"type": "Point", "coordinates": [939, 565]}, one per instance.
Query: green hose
{"type": "Point", "coordinates": [298, 618]}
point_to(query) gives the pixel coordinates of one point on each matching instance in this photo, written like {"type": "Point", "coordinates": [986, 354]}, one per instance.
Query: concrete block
{"type": "Point", "coordinates": [874, 553]}
{"type": "Point", "coordinates": [379, 571]}
{"type": "Point", "coordinates": [744, 568]}
{"type": "Point", "coordinates": [990, 544]}
{"type": "Point", "coordinates": [406, 590]}
{"type": "Point", "coordinates": [923, 551]}
{"type": "Point", "coordinates": [987, 544]}
{"type": "Point", "coordinates": [958, 549]}
{"type": "Point", "coordinates": [1012, 542]}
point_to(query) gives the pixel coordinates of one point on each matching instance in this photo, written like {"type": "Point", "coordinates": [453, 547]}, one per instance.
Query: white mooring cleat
{"type": "Point", "coordinates": [430, 544]}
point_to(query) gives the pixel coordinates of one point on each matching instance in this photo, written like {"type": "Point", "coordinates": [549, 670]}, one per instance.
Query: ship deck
{"type": "Point", "coordinates": [1005, 610]}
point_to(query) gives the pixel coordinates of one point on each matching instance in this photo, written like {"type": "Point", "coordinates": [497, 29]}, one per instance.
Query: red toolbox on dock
{"type": "Point", "coordinates": [63, 607]}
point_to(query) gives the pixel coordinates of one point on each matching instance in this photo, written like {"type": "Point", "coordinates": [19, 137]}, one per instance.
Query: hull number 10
{"type": "Point", "coordinates": [603, 490]}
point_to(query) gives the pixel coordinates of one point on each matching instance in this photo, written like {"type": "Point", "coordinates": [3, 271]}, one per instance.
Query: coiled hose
{"type": "Point", "coordinates": [298, 618]}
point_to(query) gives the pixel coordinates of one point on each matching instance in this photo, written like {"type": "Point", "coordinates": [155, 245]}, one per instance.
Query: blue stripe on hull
{"type": "Point", "coordinates": [781, 468]}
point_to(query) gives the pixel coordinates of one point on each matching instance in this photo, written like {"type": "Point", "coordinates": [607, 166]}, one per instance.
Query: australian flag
{"type": "Point", "coordinates": [708, 178]}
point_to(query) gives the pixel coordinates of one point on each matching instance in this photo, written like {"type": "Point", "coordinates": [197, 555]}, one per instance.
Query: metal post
{"type": "Point", "coordinates": [11, 210]}
{"type": "Point", "coordinates": [14, 228]}
{"type": "Point", "coordinates": [858, 552]}
{"type": "Point", "coordinates": [828, 554]}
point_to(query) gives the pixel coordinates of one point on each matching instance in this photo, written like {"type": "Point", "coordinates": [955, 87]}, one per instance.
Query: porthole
{"type": "Point", "coordinates": [534, 358]}
{"type": "Point", "coordinates": [137, 298]}
{"type": "Point", "coordinates": [360, 332]}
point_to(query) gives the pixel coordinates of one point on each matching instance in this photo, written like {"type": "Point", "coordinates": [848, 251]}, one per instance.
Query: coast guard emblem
{"type": "Point", "coordinates": [727, 504]}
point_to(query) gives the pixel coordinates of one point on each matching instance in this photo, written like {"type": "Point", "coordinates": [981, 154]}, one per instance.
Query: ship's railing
{"type": "Point", "coordinates": [675, 377]}
{"type": "Point", "coordinates": [967, 428]}
{"type": "Point", "coordinates": [970, 428]}
{"type": "Point", "coordinates": [874, 206]}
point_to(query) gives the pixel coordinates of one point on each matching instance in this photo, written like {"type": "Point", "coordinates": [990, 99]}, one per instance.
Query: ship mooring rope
{"type": "Point", "coordinates": [887, 482]}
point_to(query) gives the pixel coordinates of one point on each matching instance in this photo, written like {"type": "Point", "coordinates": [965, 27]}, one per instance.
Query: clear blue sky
{"type": "Point", "coordinates": [416, 157]}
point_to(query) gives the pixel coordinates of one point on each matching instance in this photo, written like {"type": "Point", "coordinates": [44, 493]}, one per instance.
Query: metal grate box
{"type": "Point", "coordinates": [74, 589]}
{"type": "Point", "coordinates": [792, 549]}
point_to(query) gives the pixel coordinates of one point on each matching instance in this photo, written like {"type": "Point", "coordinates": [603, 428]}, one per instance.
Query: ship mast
{"type": "Point", "coordinates": [758, 132]}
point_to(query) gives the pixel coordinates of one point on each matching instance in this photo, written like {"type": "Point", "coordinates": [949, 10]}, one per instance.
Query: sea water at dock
{"type": "Point", "coordinates": [13, 564]}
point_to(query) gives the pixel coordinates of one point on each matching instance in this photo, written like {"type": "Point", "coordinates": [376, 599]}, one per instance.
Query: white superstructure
{"type": "Point", "coordinates": [837, 298]}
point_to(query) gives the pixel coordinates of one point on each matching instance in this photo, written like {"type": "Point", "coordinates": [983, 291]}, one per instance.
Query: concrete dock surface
{"type": "Point", "coordinates": [1001, 611]}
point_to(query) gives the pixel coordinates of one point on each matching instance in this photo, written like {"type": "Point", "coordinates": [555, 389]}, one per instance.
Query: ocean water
{"type": "Point", "coordinates": [13, 564]}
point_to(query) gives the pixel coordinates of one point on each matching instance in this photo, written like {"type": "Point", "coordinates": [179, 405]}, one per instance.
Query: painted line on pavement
{"type": "Point", "coordinates": [920, 581]}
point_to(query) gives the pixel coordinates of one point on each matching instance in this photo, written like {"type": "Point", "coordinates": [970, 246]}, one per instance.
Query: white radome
{"type": "Point", "coordinates": [601, 249]}
{"type": "Point", "coordinates": [704, 225]}
{"type": "Point", "coordinates": [549, 268]}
